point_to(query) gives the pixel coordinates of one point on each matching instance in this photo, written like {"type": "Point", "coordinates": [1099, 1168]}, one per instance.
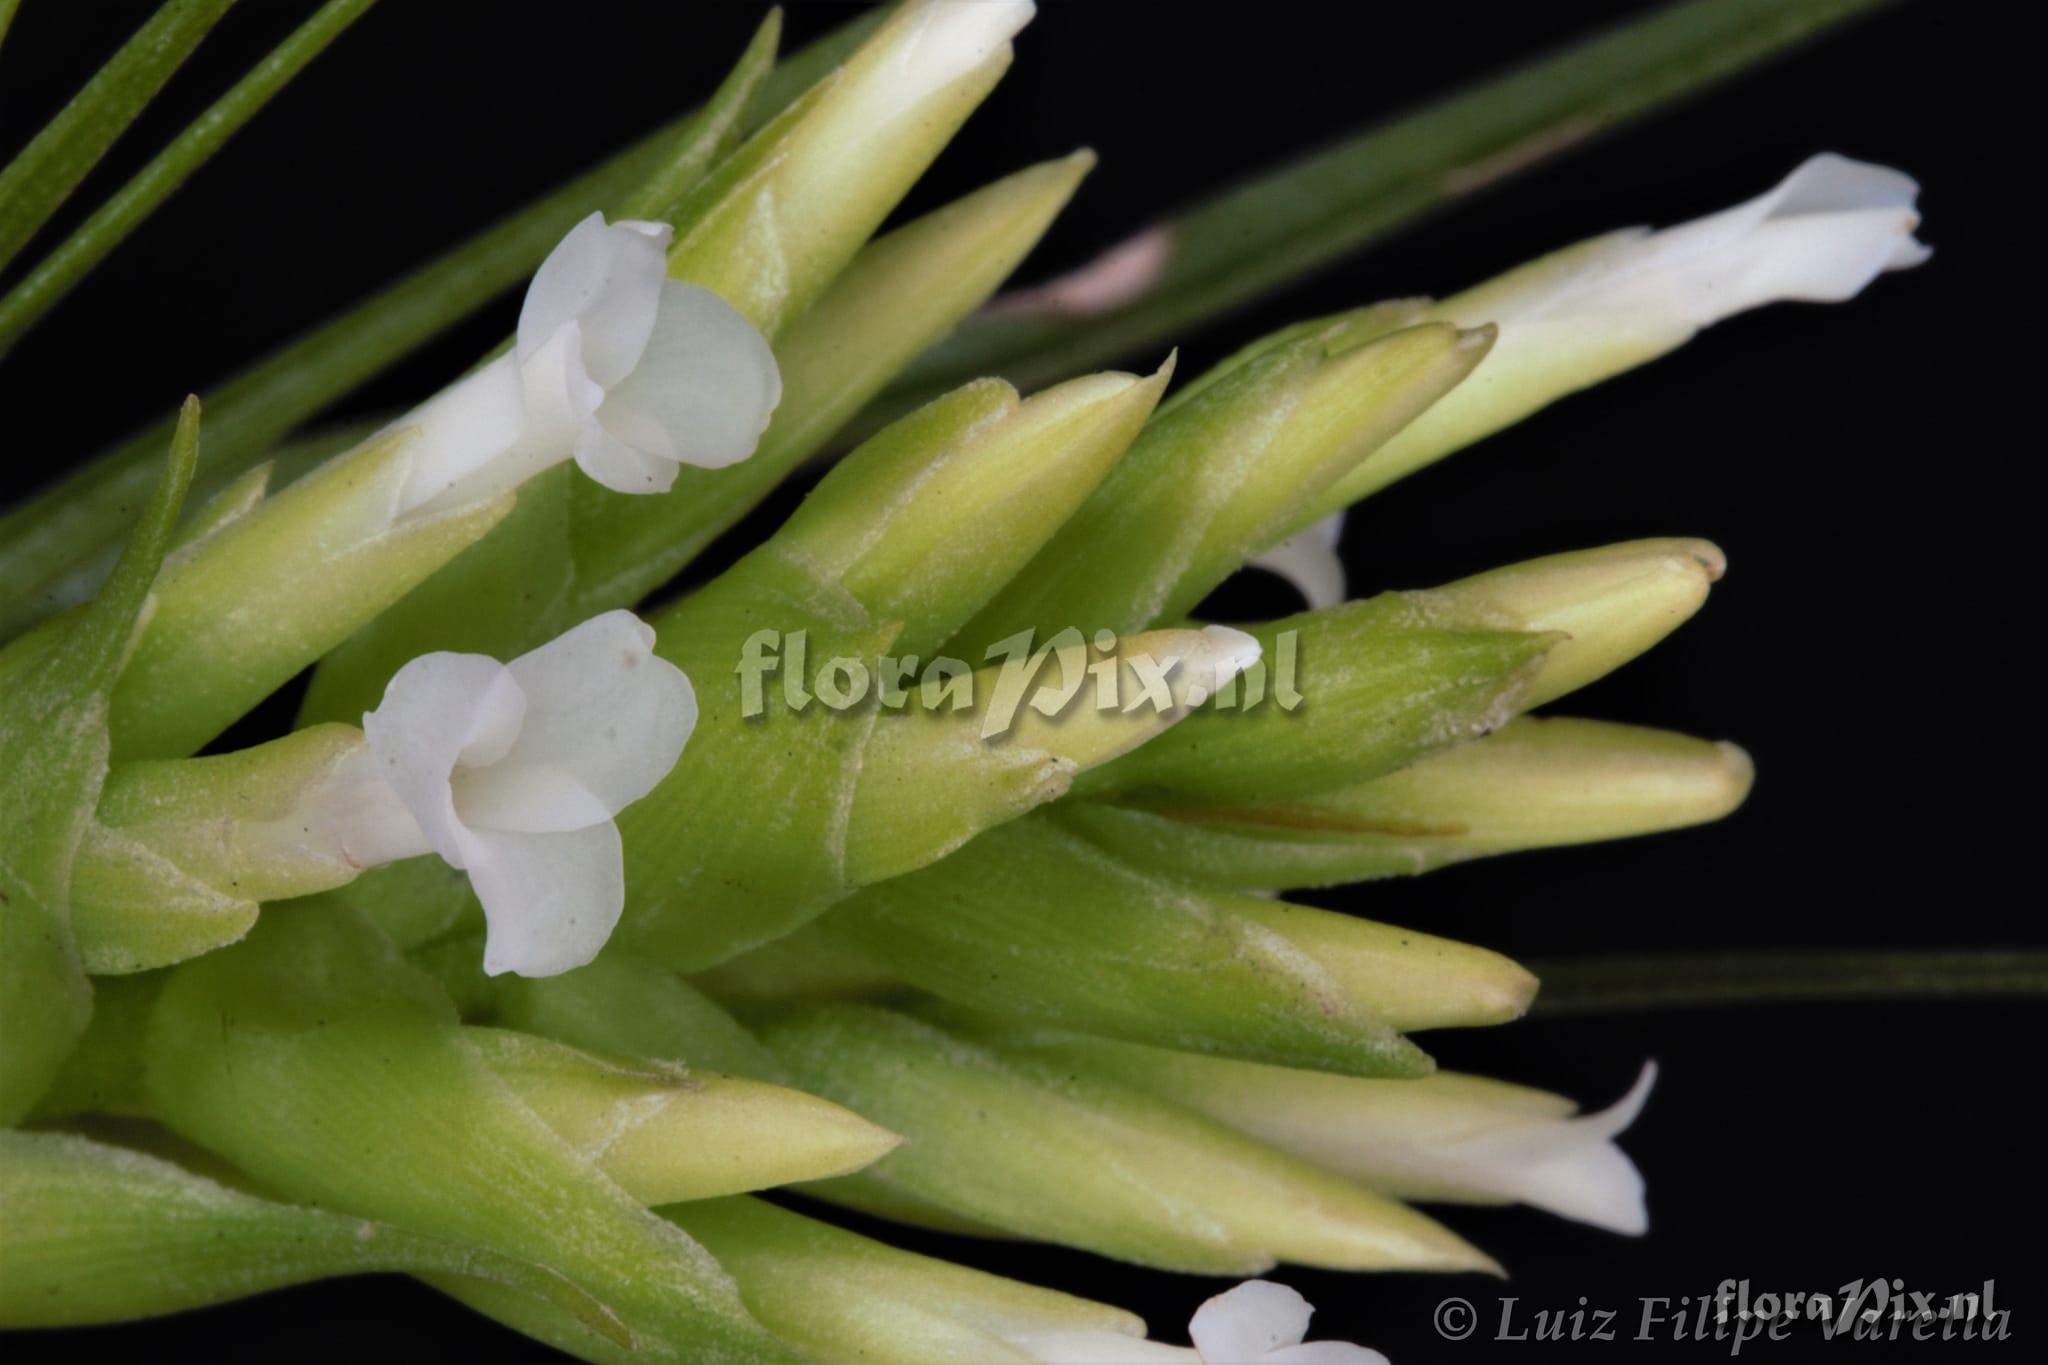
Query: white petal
{"type": "Point", "coordinates": [559, 397]}
{"type": "Point", "coordinates": [1101, 1348]}
{"type": "Point", "coordinates": [952, 38]}
{"type": "Point", "coordinates": [704, 389]}
{"type": "Point", "coordinates": [525, 799]}
{"type": "Point", "coordinates": [1826, 231]}
{"type": "Point", "coordinates": [1569, 1166]}
{"type": "Point", "coordinates": [458, 432]}
{"type": "Point", "coordinates": [350, 814]}
{"type": "Point", "coordinates": [1246, 1322]}
{"type": "Point", "coordinates": [438, 711]}
{"type": "Point", "coordinates": [550, 900]}
{"type": "Point", "coordinates": [620, 467]}
{"type": "Point", "coordinates": [1309, 561]}
{"type": "Point", "coordinates": [603, 709]}
{"type": "Point", "coordinates": [605, 278]}
{"type": "Point", "coordinates": [1324, 1353]}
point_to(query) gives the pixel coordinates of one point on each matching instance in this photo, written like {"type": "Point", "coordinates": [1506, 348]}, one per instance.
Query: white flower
{"type": "Point", "coordinates": [513, 773]}
{"type": "Point", "coordinates": [1827, 230]}
{"type": "Point", "coordinates": [1588, 312]}
{"type": "Point", "coordinates": [1565, 1163]}
{"type": "Point", "coordinates": [1265, 1322]}
{"type": "Point", "coordinates": [1308, 559]}
{"type": "Point", "coordinates": [1257, 1323]}
{"type": "Point", "coordinates": [627, 371]}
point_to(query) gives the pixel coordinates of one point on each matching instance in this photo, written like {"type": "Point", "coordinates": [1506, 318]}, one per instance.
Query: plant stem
{"type": "Point", "coordinates": [1604, 985]}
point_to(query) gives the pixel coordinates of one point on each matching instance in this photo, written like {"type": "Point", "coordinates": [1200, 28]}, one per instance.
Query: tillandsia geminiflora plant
{"type": "Point", "coordinates": [928, 860]}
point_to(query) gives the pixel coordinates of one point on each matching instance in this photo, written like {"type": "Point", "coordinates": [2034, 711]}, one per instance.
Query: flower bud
{"type": "Point", "coordinates": [666, 1134]}
{"type": "Point", "coordinates": [1610, 604]}
{"type": "Point", "coordinates": [1033, 922]}
{"type": "Point", "coordinates": [1340, 696]}
{"type": "Point", "coordinates": [1224, 469]}
{"type": "Point", "coordinates": [771, 227]}
{"type": "Point", "coordinates": [1537, 783]}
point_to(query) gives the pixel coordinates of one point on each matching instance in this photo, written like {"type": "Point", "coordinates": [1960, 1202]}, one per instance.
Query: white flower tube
{"type": "Point", "coordinates": [1257, 1323]}
{"type": "Point", "coordinates": [1461, 1139]}
{"type": "Point", "coordinates": [1308, 560]}
{"type": "Point", "coordinates": [1589, 312]}
{"type": "Point", "coordinates": [512, 773]}
{"type": "Point", "coordinates": [615, 365]}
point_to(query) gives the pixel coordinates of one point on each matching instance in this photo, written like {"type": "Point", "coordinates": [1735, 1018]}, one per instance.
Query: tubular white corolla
{"type": "Point", "coordinates": [1308, 560]}
{"type": "Point", "coordinates": [1590, 311]}
{"type": "Point", "coordinates": [1820, 236]}
{"type": "Point", "coordinates": [512, 773]}
{"type": "Point", "coordinates": [630, 373]}
{"type": "Point", "coordinates": [1257, 1323]}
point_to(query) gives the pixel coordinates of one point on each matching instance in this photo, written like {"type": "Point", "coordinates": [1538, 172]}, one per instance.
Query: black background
{"type": "Point", "coordinates": [1870, 469]}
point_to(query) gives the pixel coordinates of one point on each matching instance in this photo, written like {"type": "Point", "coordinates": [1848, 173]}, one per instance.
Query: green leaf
{"type": "Point", "coordinates": [39, 180]}
{"type": "Point", "coordinates": [38, 292]}
{"type": "Point", "coordinates": [1283, 225]}
{"type": "Point", "coordinates": [710, 133]}
{"type": "Point", "coordinates": [55, 691]}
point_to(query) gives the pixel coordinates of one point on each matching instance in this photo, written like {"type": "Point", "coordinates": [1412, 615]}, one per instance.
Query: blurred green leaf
{"type": "Point", "coordinates": [37, 292]}
{"type": "Point", "coordinates": [42, 177]}
{"type": "Point", "coordinates": [1281, 226]}
{"type": "Point", "coordinates": [1624, 983]}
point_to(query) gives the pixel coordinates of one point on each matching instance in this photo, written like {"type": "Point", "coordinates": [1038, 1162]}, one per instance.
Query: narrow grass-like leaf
{"type": "Point", "coordinates": [1281, 226]}
{"type": "Point", "coordinates": [38, 181]}
{"type": "Point", "coordinates": [38, 292]}
{"type": "Point", "coordinates": [1626, 984]}
{"type": "Point", "coordinates": [711, 131]}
